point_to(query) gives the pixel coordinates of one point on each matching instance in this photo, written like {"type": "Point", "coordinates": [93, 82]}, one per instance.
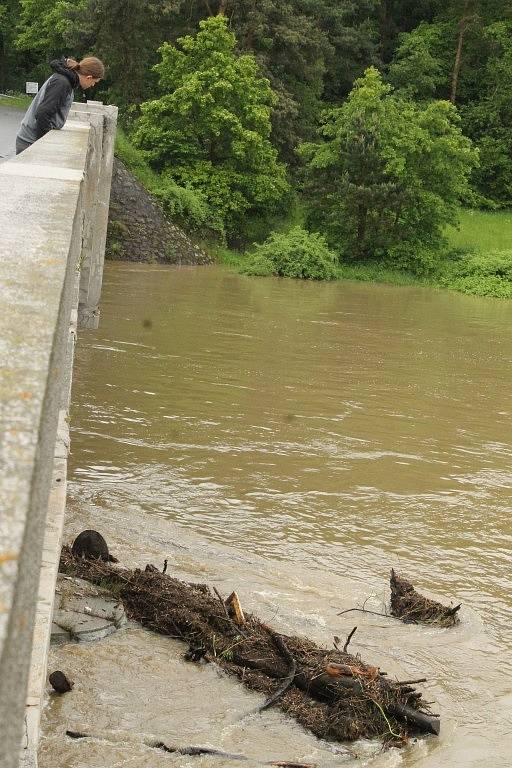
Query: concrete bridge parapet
{"type": "Point", "coordinates": [53, 218]}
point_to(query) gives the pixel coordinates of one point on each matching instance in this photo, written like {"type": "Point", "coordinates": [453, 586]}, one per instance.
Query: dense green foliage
{"type": "Point", "coordinates": [221, 109]}
{"type": "Point", "coordinates": [388, 176]}
{"type": "Point", "coordinates": [488, 274]}
{"type": "Point", "coordinates": [210, 129]}
{"type": "Point", "coordinates": [9, 14]}
{"type": "Point", "coordinates": [295, 253]}
{"type": "Point", "coordinates": [479, 81]}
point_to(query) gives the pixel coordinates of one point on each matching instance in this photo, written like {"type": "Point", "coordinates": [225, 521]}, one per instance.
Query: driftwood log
{"type": "Point", "coordinates": [302, 679]}
{"type": "Point", "coordinates": [411, 607]}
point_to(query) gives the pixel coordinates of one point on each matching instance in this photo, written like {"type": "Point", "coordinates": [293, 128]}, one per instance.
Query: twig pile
{"type": "Point", "coordinates": [411, 607]}
{"type": "Point", "coordinates": [332, 693]}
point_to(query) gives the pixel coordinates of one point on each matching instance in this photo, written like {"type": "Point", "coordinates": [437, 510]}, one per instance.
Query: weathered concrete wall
{"type": "Point", "coordinates": [52, 205]}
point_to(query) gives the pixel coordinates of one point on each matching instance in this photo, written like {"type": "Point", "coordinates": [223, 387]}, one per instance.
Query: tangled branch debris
{"type": "Point", "coordinates": [411, 607]}
{"type": "Point", "coordinates": [332, 693]}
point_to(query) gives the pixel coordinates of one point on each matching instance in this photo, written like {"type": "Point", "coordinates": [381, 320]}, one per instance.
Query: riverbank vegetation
{"type": "Point", "coordinates": [316, 140]}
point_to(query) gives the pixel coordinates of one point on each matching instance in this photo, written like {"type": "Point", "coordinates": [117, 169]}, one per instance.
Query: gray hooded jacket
{"type": "Point", "coordinates": [51, 104]}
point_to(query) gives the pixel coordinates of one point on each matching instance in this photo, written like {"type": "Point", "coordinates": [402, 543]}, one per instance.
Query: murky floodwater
{"type": "Point", "coordinates": [293, 441]}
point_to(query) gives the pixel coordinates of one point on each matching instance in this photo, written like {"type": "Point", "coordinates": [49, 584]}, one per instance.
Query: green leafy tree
{"type": "Point", "coordinates": [468, 19]}
{"type": "Point", "coordinates": [210, 129]}
{"type": "Point", "coordinates": [398, 16]}
{"type": "Point", "coordinates": [124, 33]}
{"type": "Point", "coordinates": [308, 49]}
{"type": "Point", "coordinates": [444, 54]}
{"type": "Point", "coordinates": [352, 31]}
{"type": "Point", "coordinates": [44, 32]}
{"type": "Point", "coordinates": [465, 56]}
{"type": "Point", "coordinates": [467, 48]}
{"type": "Point", "coordinates": [291, 50]}
{"type": "Point", "coordinates": [389, 175]}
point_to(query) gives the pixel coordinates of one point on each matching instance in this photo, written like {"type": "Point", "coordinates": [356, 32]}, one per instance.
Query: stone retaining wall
{"type": "Point", "coordinates": [140, 231]}
{"type": "Point", "coordinates": [53, 216]}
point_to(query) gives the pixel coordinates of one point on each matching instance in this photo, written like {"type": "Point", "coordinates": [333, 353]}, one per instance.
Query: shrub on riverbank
{"type": "Point", "coordinates": [475, 274]}
{"type": "Point", "coordinates": [135, 161]}
{"type": "Point", "coordinates": [296, 253]}
{"type": "Point", "coordinates": [484, 274]}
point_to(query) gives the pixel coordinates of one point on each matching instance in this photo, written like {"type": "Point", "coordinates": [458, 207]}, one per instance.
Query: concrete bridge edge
{"type": "Point", "coordinates": [44, 450]}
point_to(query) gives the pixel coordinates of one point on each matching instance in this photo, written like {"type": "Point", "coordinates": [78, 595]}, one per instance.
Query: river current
{"type": "Point", "coordinates": [293, 441]}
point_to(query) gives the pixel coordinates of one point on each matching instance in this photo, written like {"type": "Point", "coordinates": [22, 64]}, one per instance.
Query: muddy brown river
{"type": "Point", "coordinates": [293, 441]}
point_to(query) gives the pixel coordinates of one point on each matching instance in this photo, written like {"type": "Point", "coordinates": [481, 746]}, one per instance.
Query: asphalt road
{"type": "Point", "coordinates": [10, 120]}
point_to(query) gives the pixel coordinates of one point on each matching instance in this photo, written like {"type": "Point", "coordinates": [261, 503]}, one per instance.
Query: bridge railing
{"type": "Point", "coordinates": [53, 219]}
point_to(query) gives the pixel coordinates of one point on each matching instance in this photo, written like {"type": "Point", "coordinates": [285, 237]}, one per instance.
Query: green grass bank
{"type": "Point", "coordinates": [15, 101]}
{"type": "Point", "coordinates": [482, 231]}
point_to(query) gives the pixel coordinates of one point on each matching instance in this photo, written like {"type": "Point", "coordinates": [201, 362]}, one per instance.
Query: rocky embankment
{"type": "Point", "coordinates": [139, 230]}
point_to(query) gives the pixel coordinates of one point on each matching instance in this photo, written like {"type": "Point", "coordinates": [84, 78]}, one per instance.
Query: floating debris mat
{"type": "Point", "coordinates": [332, 693]}
{"type": "Point", "coordinates": [411, 607]}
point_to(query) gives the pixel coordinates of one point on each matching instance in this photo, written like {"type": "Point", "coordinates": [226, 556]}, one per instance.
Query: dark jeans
{"type": "Point", "coordinates": [21, 145]}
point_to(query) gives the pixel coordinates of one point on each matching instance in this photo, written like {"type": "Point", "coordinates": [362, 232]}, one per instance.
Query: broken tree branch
{"type": "Point", "coordinates": [292, 664]}
{"type": "Point", "coordinates": [349, 638]}
{"type": "Point", "coordinates": [364, 610]}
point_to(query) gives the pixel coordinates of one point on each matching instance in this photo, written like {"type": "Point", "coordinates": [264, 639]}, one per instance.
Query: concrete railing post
{"type": "Point", "coordinates": [103, 122]}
